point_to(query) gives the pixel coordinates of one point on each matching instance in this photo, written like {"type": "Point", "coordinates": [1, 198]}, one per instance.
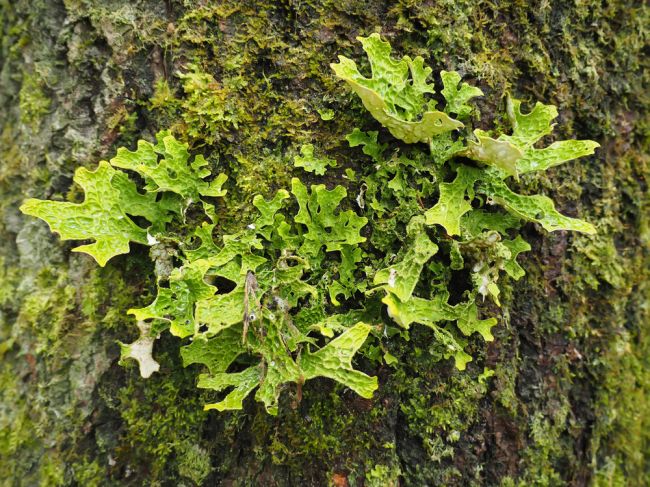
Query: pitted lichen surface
{"type": "Point", "coordinates": [560, 396]}
{"type": "Point", "coordinates": [284, 302]}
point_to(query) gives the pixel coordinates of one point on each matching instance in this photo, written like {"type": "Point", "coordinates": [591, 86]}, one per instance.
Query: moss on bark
{"type": "Point", "coordinates": [570, 396]}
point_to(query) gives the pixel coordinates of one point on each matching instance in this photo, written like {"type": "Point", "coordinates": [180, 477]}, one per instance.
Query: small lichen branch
{"type": "Point", "coordinates": [296, 293]}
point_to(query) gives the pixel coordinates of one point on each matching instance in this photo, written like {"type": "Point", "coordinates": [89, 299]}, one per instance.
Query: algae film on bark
{"type": "Point", "coordinates": [321, 276]}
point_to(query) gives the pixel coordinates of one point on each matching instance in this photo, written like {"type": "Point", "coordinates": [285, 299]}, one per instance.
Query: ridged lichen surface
{"type": "Point", "coordinates": [560, 397]}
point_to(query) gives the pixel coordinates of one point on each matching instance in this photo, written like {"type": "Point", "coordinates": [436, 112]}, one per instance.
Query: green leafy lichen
{"type": "Point", "coordinates": [454, 200]}
{"type": "Point", "coordinates": [166, 167]}
{"type": "Point", "coordinates": [266, 262]}
{"type": "Point", "coordinates": [309, 163]}
{"type": "Point", "coordinates": [295, 292]}
{"type": "Point", "coordinates": [535, 208]}
{"type": "Point", "coordinates": [516, 154]}
{"type": "Point", "coordinates": [401, 278]}
{"type": "Point", "coordinates": [104, 216]}
{"type": "Point", "coordinates": [257, 317]}
{"type": "Point", "coordinates": [458, 94]}
{"type": "Point", "coordinates": [396, 100]}
{"type": "Point", "coordinates": [324, 226]}
{"type": "Point", "coordinates": [112, 198]}
{"type": "Point", "coordinates": [417, 280]}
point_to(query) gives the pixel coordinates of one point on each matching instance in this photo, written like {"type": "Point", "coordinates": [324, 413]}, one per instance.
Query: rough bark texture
{"type": "Point", "coordinates": [569, 402]}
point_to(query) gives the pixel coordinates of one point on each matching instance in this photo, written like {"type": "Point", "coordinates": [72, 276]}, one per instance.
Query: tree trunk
{"type": "Point", "coordinates": [568, 403]}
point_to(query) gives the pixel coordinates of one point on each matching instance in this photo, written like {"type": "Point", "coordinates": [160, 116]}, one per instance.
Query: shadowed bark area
{"type": "Point", "coordinates": [568, 403]}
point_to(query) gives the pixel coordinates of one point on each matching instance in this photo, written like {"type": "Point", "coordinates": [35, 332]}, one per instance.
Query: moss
{"type": "Point", "coordinates": [326, 426]}
{"type": "Point", "coordinates": [18, 435]}
{"type": "Point", "coordinates": [193, 462]}
{"type": "Point", "coordinates": [88, 472]}
{"type": "Point", "coordinates": [34, 103]}
{"type": "Point", "coordinates": [382, 476]}
{"type": "Point", "coordinates": [621, 436]}
{"type": "Point", "coordinates": [46, 314]}
{"type": "Point", "coordinates": [52, 472]}
{"type": "Point", "coordinates": [160, 420]}
{"type": "Point", "coordinates": [123, 122]}
{"type": "Point", "coordinates": [12, 154]}
{"type": "Point", "coordinates": [583, 298]}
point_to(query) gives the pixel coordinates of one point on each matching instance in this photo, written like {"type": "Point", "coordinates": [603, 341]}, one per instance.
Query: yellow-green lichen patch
{"type": "Point", "coordinates": [271, 56]}
{"type": "Point", "coordinates": [283, 279]}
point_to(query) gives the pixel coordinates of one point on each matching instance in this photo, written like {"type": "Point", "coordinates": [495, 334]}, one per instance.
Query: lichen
{"type": "Point", "coordinates": [579, 297]}
{"type": "Point", "coordinates": [277, 265]}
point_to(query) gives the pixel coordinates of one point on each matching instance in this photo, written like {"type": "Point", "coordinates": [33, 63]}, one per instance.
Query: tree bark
{"type": "Point", "coordinates": [568, 403]}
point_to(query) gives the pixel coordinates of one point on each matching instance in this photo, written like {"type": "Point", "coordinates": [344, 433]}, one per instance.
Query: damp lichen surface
{"type": "Point", "coordinates": [558, 397]}
{"type": "Point", "coordinates": [295, 294]}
